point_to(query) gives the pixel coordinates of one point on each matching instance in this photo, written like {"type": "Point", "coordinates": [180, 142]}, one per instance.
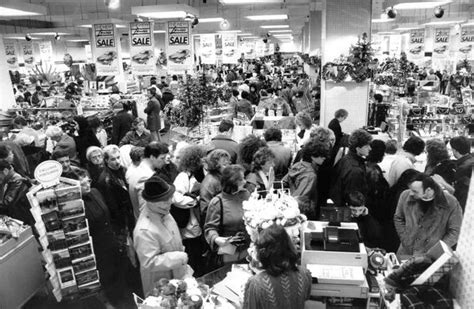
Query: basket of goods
{"type": "Point", "coordinates": [175, 294]}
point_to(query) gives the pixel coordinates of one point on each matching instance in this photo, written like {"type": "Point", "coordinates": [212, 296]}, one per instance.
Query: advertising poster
{"type": "Point", "coordinates": [208, 48]}
{"type": "Point", "coordinates": [271, 48]}
{"type": "Point", "coordinates": [259, 49]}
{"type": "Point", "coordinates": [395, 47]}
{"type": "Point", "coordinates": [249, 49]}
{"type": "Point", "coordinates": [11, 54]}
{"type": "Point", "coordinates": [178, 47]}
{"type": "Point", "coordinates": [466, 48]}
{"type": "Point", "coordinates": [218, 49]}
{"type": "Point", "coordinates": [416, 44]}
{"type": "Point", "coordinates": [27, 52]}
{"type": "Point", "coordinates": [104, 49]}
{"type": "Point", "coordinates": [441, 43]}
{"type": "Point", "coordinates": [230, 52]}
{"type": "Point", "coordinates": [142, 53]}
{"type": "Point", "coordinates": [46, 51]}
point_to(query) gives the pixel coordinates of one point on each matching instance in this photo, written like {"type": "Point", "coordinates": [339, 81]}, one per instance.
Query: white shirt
{"type": "Point", "coordinates": [136, 181]}
{"type": "Point", "coordinates": [386, 163]}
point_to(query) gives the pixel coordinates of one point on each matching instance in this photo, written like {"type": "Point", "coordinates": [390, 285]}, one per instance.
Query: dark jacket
{"type": "Point", "coordinates": [13, 201]}
{"type": "Point", "coordinates": [168, 173]}
{"type": "Point", "coordinates": [167, 97]}
{"type": "Point", "coordinates": [283, 156]}
{"type": "Point", "coordinates": [377, 193]}
{"type": "Point", "coordinates": [349, 176]}
{"type": "Point", "coordinates": [153, 111]}
{"type": "Point", "coordinates": [221, 141]}
{"type": "Point", "coordinates": [84, 141]}
{"type": "Point", "coordinates": [420, 231]}
{"type": "Point", "coordinates": [335, 126]}
{"type": "Point", "coordinates": [446, 169]}
{"type": "Point", "coordinates": [134, 139]}
{"type": "Point", "coordinates": [114, 189]}
{"type": "Point", "coordinates": [244, 106]}
{"type": "Point", "coordinates": [20, 163]}
{"type": "Point", "coordinates": [464, 166]}
{"type": "Point", "coordinates": [94, 172]}
{"type": "Point", "coordinates": [210, 187]}
{"type": "Point", "coordinates": [121, 124]}
{"type": "Point", "coordinates": [67, 144]}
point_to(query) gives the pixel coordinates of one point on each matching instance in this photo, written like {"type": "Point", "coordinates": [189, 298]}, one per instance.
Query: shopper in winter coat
{"type": "Point", "coordinates": [153, 109]}
{"type": "Point", "coordinates": [138, 136]}
{"type": "Point", "coordinates": [157, 239]}
{"type": "Point", "coordinates": [95, 163]}
{"type": "Point", "coordinates": [121, 123]}
{"type": "Point", "coordinates": [406, 158]}
{"type": "Point", "coordinates": [215, 162]}
{"type": "Point", "coordinates": [244, 106]}
{"type": "Point", "coordinates": [283, 154]}
{"type": "Point", "coordinates": [223, 140]}
{"type": "Point", "coordinates": [301, 177]}
{"type": "Point", "coordinates": [254, 97]}
{"type": "Point", "coordinates": [438, 161]}
{"type": "Point", "coordinates": [350, 173]}
{"type": "Point", "coordinates": [262, 176]}
{"type": "Point", "coordinates": [461, 147]}
{"type": "Point", "coordinates": [84, 139]}
{"type": "Point", "coordinates": [14, 155]}
{"type": "Point", "coordinates": [63, 142]}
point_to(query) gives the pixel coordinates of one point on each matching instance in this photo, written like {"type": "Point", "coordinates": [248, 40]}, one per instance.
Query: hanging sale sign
{"type": "Point", "coordinates": [218, 49]}
{"type": "Point", "coordinates": [441, 43]}
{"type": "Point", "coordinates": [259, 49]}
{"type": "Point", "coordinates": [230, 52]}
{"type": "Point", "coordinates": [466, 48]}
{"type": "Point", "coordinates": [416, 44]}
{"type": "Point", "coordinates": [395, 46]}
{"type": "Point", "coordinates": [271, 48]}
{"type": "Point", "coordinates": [46, 51]}
{"type": "Point", "coordinates": [26, 51]}
{"type": "Point", "coordinates": [142, 54]}
{"type": "Point", "coordinates": [249, 50]}
{"type": "Point", "coordinates": [178, 47]}
{"type": "Point", "coordinates": [208, 49]}
{"type": "Point", "coordinates": [11, 54]}
{"type": "Point", "coordinates": [105, 50]}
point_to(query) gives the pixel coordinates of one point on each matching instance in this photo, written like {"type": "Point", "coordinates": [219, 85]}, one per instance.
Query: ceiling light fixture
{"type": "Point", "coordinates": [159, 31]}
{"type": "Point", "coordinates": [381, 20]}
{"type": "Point", "coordinates": [57, 37]}
{"type": "Point", "coordinates": [418, 5]}
{"type": "Point", "coordinates": [112, 4]}
{"type": "Point", "coordinates": [78, 40]}
{"type": "Point", "coordinates": [21, 9]}
{"type": "Point", "coordinates": [28, 37]}
{"type": "Point", "coordinates": [166, 11]}
{"type": "Point", "coordinates": [244, 34]}
{"type": "Point", "coordinates": [274, 26]}
{"type": "Point", "coordinates": [211, 20]}
{"type": "Point", "coordinates": [281, 31]}
{"type": "Point", "coordinates": [224, 25]}
{"type": "Point", "coordinates": [230, 31]}
{"type": "Point", "coordinates": [391, 12]}
{"type": "Point", "coordinates": [268, 17]}
{"type": "Point", "coordinates": [438, 12]}
{"type": "Point", "coordinates": [233, 2]}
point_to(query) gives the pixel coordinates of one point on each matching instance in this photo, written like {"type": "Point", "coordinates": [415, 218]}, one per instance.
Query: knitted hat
{"type": "Point", "coordinates": [90, 150]}
{"type": "Point", "coordinates": [156, 190]}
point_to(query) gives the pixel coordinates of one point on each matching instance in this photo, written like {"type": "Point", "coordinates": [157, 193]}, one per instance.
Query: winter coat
{"type": "Point", "coordinates": [224, 142]}
{"type": "Point", "coordinates": [244, 106]}
{"type": "Point", "coordinates": [121, 124]}
{"type": "Point", "coordinates": [67, 144]}
{"type": "Point", "coordinates": [20, 163]}
{"type": "Point", "coordinates": [419, 231]}
{"type": "Point", "coordinates": [157, 241]}
{"type": "Point", "coordinates": [349, 176]}
{"type": "Point", "coordinates": [464, 166]}
{"type": "Point", "coordinates": [134, 139]}
{"type": "Point", "coordinates": [153, 109]}
{"type": "Point", "coordinates": [210, 187]}
{"type": "Point", "coordinates": [13, 202]}
{"type": "Point", "coordinates": [283, 157]}
{"type": "Point", "coordinates": [84, 141]}
{"type": "Point", "coordinates": [302, 180]}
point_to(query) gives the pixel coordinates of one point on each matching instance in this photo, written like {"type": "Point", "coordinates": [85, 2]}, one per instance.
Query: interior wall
{"type": "Point", "coordinates": [6, 88]}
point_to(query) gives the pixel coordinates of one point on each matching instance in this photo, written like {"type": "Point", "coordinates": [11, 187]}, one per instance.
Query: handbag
{"type": "Point", "coordinates": [180, 215]}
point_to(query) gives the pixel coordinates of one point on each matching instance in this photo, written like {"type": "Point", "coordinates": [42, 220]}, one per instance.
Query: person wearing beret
{"type": "Point", "coordinates": [157, 239]}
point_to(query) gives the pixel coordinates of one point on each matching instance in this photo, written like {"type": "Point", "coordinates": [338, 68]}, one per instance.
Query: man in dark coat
{"type": "Point", "coordinates": [153, 109]}
{"type": "Point", "coordinates": [113, 263]}
{"type": "Point", "coordinates": [335, 125]}
{"type": "Point", "coordinates": [121, 123]}
{"type": "Point", "coordinates": [13, 153]}
{"type": "Point", "coordinates": [350, 171]}
{"type": "Point", "coordinates": [461, 147]}
{"type": "Point", "coordinates": [224, 141]}
{"type": "Point", "coordinates": [283, 154]}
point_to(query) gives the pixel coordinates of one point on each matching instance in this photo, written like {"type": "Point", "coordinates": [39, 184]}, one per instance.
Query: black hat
{"type": "Point", "coordinates": [156, 190]}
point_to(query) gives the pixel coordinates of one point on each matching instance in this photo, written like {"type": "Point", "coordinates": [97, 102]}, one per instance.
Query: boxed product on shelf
{"type": "Point", "coordinates": [81, 250]}
{"type": "Point", "coordinates": [87, 276]}
{"type": "Point", "coordinates": [74, 223]}
{"type": "Point", "coordinates": [83, 264]}
{"type": "Point", "coordinates": [70, 209]}
{"type": "Point", "coordinates": [61, 258]}
{"type": "Point", "coordinates": [57, 240]}
{"type": "Point", "coordinates": [77, 237]}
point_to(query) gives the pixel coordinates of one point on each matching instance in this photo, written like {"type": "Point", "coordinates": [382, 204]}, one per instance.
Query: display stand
{"type": "Point", "coordinates": [65, 240]}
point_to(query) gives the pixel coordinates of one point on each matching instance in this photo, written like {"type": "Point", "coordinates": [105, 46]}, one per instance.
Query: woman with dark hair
{"type": "Point", "coordinates": [224, 228]}
{"type": "Point", "coordinates": [281, 284]}
{"type": "Point", "coordinates": [303, 127]}
{"type": "Point", "coordinates": [215, 163]}
{"type": "Point", "coordinates": [138, 136]}
{"type": "Point", "coordinates": [262, 176]}
{"type": "Point", "coordinates": [247, 148]}
{"type": "Point", "coordinates": [439, 161]}
{"type": "Point", "coordinates": [378, 186]}
{"type": "Point", "coordinates": [98, 128]}
{"type": "Point", "coordinates": [86, 138]}
{"type": "Point", "coordinates": [185, 208]}
{"type": "Point", "coordinates": [254, 97]}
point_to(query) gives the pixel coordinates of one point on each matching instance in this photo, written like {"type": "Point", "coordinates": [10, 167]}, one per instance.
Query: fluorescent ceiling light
{"type": "Point", "coordinates": [283, 35]}
{"type": "Point", "coordinates": [165, 11]}
{"type": "Point", "coordinates": [274, 26]}
{"type": "Point", "coordinates": [418, 5]}
{"type": "Point", "coordinates": [78, 40]}
{"type": "Point", "coordinates": [470, 22]}
{"type": "Point", "coordinates": [406, 28]}
{"type": "Point", "coordinates": [231, 2]}
{"type": "Point", "coordinates": [386, 33]}
{"type": "Point", "coordinates": [90, 26]}
{"type": "Point", "coordinates": [250, 37]}
{"type": "Point", "coordinates": [382, 20]}
{"type": "Point", "coordinates": [50, 33]}
{"type": "Point", "coordinates": [16, 37]}
{"type": "Point", "coordinates": [281, 31]}
{"type": "Point", "coordinates": [159, 31]}
{"type": "Point", "coordinates": [211, 20]}
{"type": "Point", "coordinates": [21, 9]}
{"type": "Point", "coordinates": [244, 34]}
{"type": "Point", "coordinates": [268, 17]}
{"type": "Point", "coordinates": [443, 22]}
{"type": "Point", "coordinates": [229, 31]}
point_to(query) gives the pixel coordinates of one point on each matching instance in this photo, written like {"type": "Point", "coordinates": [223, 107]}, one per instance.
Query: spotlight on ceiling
{"type": "Point", "coordinates": [28, 37]}
{"type": "Point", "coordinates": [391, 12]}
{"type": "Point", "coordinates": [57, 37]}
{"type": "Point", "coordinates": [265, 40]}
{"type": "Point", "coordinates": [224, 25]}
{"type": "Point", "coordinates": [194, 22]}
{"type": "Point", "coordinates": [438, 12]}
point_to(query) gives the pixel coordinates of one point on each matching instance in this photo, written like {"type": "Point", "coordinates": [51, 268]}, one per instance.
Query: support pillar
{"type": "Point", "coordinates": [6, 87]}
{"type": "Point", "coordinates": [343, 21]}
